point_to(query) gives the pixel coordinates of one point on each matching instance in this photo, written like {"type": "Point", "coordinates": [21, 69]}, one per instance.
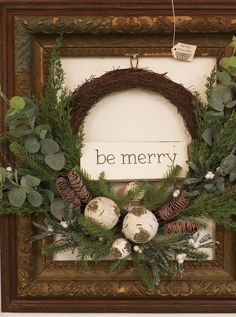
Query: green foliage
{"type": "Point", "coordinates": [221, 208]}
{"type": "Point", "coordinates": [56, 108]}
{"type": "Point", "coordinates": [144, 271]}
{"type": "Point", "coordinates": [25, 209]}
{"type": "Point", "coordinates": [210, 82]}
{"type": "Point", "coordinates": [59, 246]}
{"type": "Point", "coordinates": [169, 240]}
{"type": "Point", "coordinates": [32, 164]}
{"type": "Point", "coordinates": [97, 231]}
{"type": "Point", "coordinates": [155, 197]}
{"type": "Point", "coordinates": [132, 195]}
{"type": "Point", "coordinates": [117, 266]}
{"type": "Point", "coordinates": [224, 142]}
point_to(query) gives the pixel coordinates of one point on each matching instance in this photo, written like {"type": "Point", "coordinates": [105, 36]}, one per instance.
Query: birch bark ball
{"type": "Point", "coordinates": [120, 249]}
{"type": "Point", "coordinates": [104, 211]}
{"type": "Point", "coordinates": [140, 225]}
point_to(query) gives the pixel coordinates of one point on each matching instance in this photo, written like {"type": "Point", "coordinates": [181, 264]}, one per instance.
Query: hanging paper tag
{"type": "Point", "coordinates": [183, 52]}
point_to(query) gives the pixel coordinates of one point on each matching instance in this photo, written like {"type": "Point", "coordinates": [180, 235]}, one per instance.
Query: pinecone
{"type": "Point", "coordinates": [67, 193]}
{"type": "Point", "coordinates": [79, 187]}
{"type": "Point", "coordinates": [181, 226]}
{"type": "Point", "coordinates": [172, 209]}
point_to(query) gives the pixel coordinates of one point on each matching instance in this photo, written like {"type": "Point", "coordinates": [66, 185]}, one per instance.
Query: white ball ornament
{"type": "Point", "coordinates": [120, 249]}
{"type": "Point", "coordinates": [140, 225]}
{"type": "Point", "coordinates": [104, 211]}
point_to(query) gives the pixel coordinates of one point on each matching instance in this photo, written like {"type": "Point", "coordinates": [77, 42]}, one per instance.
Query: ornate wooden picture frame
{"type": "Point", "coordinates": [31, 282]}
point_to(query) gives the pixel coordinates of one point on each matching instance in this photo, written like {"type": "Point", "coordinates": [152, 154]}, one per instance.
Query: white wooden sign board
{"type": "Point", "coordinates": [133, 160]}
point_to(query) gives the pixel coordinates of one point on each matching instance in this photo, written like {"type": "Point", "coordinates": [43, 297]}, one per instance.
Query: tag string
{"type": "Point", "coordinates": [174, 22]}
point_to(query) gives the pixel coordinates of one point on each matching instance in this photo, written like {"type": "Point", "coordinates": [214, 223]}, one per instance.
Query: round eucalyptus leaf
{"type": "Point", "coordinates": [225, 78]}
{"type": "Point", "coordinates": [16, 197]}
{"type": "Point", "coordinates": [17, 103]}
{"type": "Point", "coordinates": [207, 136]}
{"type": "Point", "coordinates": [220, 95]}
{"type": "Point", "coordinates": [42, 130]}
{"type": "Point", "coordinates": [232, 176]}
{"type": "Point", "coordinates": [49, 146]}
{"type": "Point", "coordinates": [35, 198]}
{"type": "Point", "coordinates": [32, 145]}
{"type": "Point", "coordinates": [232, 61]}
{"type": "Point", "coordinates": [24, 184]}
{"type": "Point", "coordinates": [57, 208]}
{"type": "Point", "coordinates": [32, 180]}
{"type": "Point", "coordinates": [2, 175]}
{"type": "Point", "coordinates": [224, 62]}
{"type": "Point", "coordinates": [55, 161]}
{"type": "Point", "coordinates": [49, 194]}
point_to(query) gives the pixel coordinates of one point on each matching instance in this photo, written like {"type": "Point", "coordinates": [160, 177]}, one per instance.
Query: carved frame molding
{"type": "Point", "coordinates": [32, 283]}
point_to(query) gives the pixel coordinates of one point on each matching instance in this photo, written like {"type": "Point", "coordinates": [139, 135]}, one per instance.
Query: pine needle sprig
{"type": "Point", "coordinates": [57, 247]}
{"type": "Point", "coordinates": [56, 109]}
{"type": "Point", "coordinates": [221, 208]}
{"type": "Point", "coordinates": [210, 82]}
{"type": "Point", "coordinates": [225, 142]}
{"type": "Point", "coordinates": [97, 231]}
{"type": "Point", "coordinates": [154, 196]}
{"type": "Point", "coordinates": [168, 240]}
{"type": "Point", "coordinates": [117, 266]}
{"type": "Point", "coordinates": [144, 270]}
{"type": "Point", "coordinates": [132, 195]}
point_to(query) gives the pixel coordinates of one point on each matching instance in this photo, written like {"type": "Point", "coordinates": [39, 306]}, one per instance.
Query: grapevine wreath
{"type": "Point", "coordinates": [156, 225]}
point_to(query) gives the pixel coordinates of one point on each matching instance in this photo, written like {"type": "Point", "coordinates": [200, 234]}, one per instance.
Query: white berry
{"type": "Point", "coordinates": [196, 245]}
{"type": "Point", "coordinates": [176, 193]}
{"type": "Point", "coordinates": [137, 249]}
{"type": "Point", "coordinates": [50, 229]}
{"type": "Point", "coordinates": [191, 241]}
{"type": "Point", "coordinates": [64, 224]}
{"type": "Point", "coordinates": [209, 175]}
{"type": "Point", "coordinates": [179, 257]}
{"type": "Point", "coordinates": [9, 169]}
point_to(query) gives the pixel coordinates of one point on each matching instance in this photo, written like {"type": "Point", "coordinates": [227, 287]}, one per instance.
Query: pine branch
{"type": "Point", "coordinates": [168, 240]}
{"type": "Point", "coordinates": [154, 197]}
{"type": "Point", "coordinates": [59, 246]}
{"type": "Point", "coordinates": [197, 255]}
{"type": "Point", "coordinates": [221, 208]}
{"type": "Point", "coordinates": [132, 195]}
{"type": "Point", "coordinates": [97, 231]}
{"type": "Point", "coordinates": [117, 266]}
{"type": "Point", "coordinates": [210, 82]}
{"type": "Point", "coordinates": [90, 248]}
{"type": "Point", "coordinates": [56, 109]}
{"type": "Point", "coordinates": [225, 142]}
{"type": "Point", "coordinates": [145, 272]}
